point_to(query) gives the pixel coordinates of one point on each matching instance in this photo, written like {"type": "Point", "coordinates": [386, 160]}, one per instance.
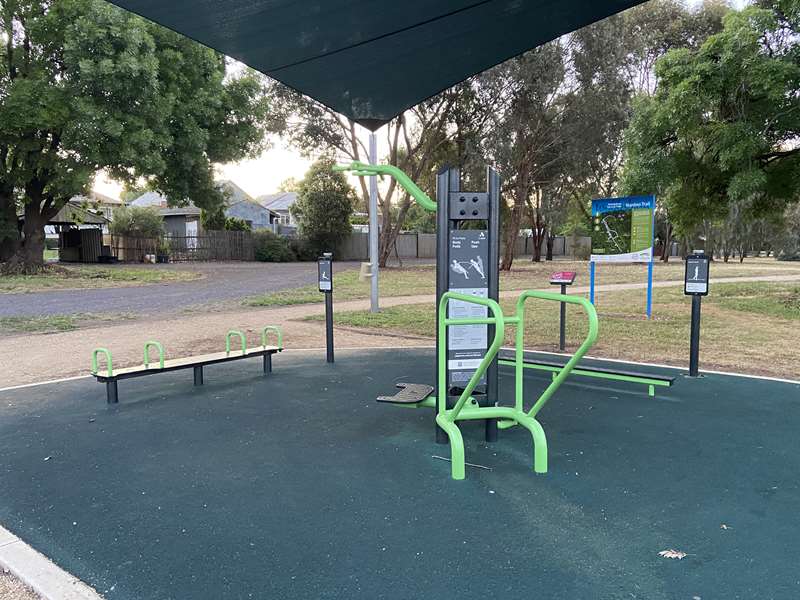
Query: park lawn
{"type": "Point", "coordinates": [57, 323]}
{"type": "Point", "coordinates": [64, 277]}
{"type": "Point", "coordinates": [420, 280]}
{"type": "Point", "coordinates": [746, 327]}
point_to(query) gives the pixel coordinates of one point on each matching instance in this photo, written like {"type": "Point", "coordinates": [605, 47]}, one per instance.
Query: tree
{"type": "Point", "coordinates": [137, 221]}
{"type": "Point", "coordinates": [288, 185]}
{"type": "Point", "coordinates": [86, 86]}
{"type": "Point", "coordinates": [324, 204]}
{"type": "Point", "coordinates": [718, 139]}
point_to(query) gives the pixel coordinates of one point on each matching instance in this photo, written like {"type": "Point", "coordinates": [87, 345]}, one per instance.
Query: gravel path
{"type": "Point", "coordinates": [221, 281]}
{"type": "Point", "coordinates": [30, 358]}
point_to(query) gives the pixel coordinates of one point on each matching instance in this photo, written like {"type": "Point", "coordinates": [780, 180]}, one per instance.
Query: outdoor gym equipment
{"type": "Point", "coordinates": [110, 376]}
{"type": "Point", "coordinates": [469, 316]}
{"type": "Point", "coordinates": [695, 284]}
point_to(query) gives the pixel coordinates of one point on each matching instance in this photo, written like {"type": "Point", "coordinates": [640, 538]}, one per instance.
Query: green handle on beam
{"type": "Point", "coordinates": [233, 332]}
{"type": "Point", "coordinates": [367, 170]}
{"type": "Point", "coordinates": [147, 353]}
{"type": "Point", "coordinates": [276, 330]}
{"type": "Point", "coordinates": [94, 360]}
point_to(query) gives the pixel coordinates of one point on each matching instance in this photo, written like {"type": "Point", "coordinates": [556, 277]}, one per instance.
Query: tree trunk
{"type": "Point", "coordinates": [9, 228]}
{"type": "Point", "coordinates": [511, 229]}
{"type": "Point", "coordinates": [550, 240]}
{"type": "Point", "coordinates": [667, 243]}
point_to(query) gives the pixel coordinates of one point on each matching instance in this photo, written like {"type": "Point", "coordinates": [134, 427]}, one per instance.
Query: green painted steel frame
{"type": "Point", "coordinates": [147, 353]}
{"type": "Point", "coordinates": [94, 360]}
{"type": "Point", "coordinates": [650, 383]}
{"type": "Point", "coordinates": [278, 332]}
{"type": "Point", "coordinates": [368, 170]}
{"type": "Point", "coordinates": [242, 338]}
{"type": "Point", "coordinates": [466, 408]}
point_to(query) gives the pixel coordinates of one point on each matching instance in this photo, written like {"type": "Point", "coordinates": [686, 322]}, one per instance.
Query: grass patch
{"type": "Point", "coordinates": [749, 328]}
{"type": "Point", "coordinates": [91, 276]}
{"type": "Point", "coordinates": [410, 281]}
{"type": "Point", "coordinates": [57, 323]}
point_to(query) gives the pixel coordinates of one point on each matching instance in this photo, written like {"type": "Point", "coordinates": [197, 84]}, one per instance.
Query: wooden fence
{"type": "Point", "coordinates": [206, 246]}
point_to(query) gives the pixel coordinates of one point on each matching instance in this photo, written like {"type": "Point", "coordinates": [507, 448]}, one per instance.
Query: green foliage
{"type": "Point", "coordinates": [270, 247]}
{"type": "Point", "coordinates": [214, 219]}
{"type": "Point", "coordinates": [85, 85]}
{"type": "Point", "coordinates": [324, 205]}
{"type": "Point", "coordinates": [719, 135]}
{"type": "Point", "coordinates": [237, 224]}
{"type": "Point", "coordinates": [137, 221]}
{"type": "Point", "coordinates": [789, 240]}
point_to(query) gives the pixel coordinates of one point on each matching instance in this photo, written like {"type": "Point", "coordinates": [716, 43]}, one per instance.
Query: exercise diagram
{"type": "Point", "coordinates": [476, 264]}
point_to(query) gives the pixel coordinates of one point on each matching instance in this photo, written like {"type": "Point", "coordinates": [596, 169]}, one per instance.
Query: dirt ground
{"type": "Point", "coordinates": [12, 589]}
{"type": "Point", "coordinates": [31, 358]}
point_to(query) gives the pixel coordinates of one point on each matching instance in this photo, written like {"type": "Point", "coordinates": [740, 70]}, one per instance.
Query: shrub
{"type": "Point", "coordinates": [270, 247]}
{"type": "Point", "coordinates": [137, 221]}
{"type": "Point", "coordinates": [303, 249]}
{"type": "Point", "coordinates": [237, 224]}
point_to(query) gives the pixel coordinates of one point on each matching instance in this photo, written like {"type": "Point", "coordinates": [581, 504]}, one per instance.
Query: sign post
{"type": "Point", "coordinates": [622, 232]}
{"type": "Point", "coordinates": [563, 278]}
{"type": "Point", "coordinates": [695, 284]}
{"type": "Point", "coordinates": [325, 277]}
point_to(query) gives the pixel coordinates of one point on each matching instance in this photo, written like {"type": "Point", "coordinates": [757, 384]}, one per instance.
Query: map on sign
{"type": "Point", "coordinates": [622, 229]}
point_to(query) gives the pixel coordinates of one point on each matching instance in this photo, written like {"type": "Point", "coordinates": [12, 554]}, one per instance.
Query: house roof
{"type": "Point", "coordinates": [150, 199]}
{"type": "Point", "coordinates": [277, 202]}
{"type": "Point", "coordinates": [251, 204]}
{"type": "Point", "coordinates": [180, 211]}
{"type": "Point", "coordinates": [233, 193]}
{"type": "Point", "coordinates": [72, 213]}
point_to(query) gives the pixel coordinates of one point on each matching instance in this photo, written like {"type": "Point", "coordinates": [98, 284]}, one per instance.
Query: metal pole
{"type": "Point", "coordinates": [694, 342]}
{"type": "Point", "coordinates": [650, 289]}
{"type": "Point", "coordinates": [562, 334]}
{"type": "Point", "coordinates": [329, 325]}
{"type": "Point", "coordinates": [591, 282]}
{"type": "Point", "coordinates": [373, 225]}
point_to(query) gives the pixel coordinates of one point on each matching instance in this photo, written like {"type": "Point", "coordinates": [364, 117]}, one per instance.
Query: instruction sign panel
{"type": "Point", "coordinates": [695, 282]}
{"type": "Point", "coordinates": [563, 277]}
{"type": "Point", "coordinates": [622, 229]}
{"type": "Point", "coordinates": [467, 274]}
{"type": "Point", "coordinates": [325, 274]}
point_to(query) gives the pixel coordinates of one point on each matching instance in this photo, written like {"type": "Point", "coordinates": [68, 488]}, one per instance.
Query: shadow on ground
{"type": "Point", "coordinates": [301, 486]}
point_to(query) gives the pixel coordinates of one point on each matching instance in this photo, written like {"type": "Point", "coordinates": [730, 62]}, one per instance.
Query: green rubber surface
{"type": "Point", "coordinates": [300, 485]}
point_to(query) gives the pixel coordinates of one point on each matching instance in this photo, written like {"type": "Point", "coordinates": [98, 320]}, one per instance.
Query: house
{"type": "Point", "coordinates": [79, 231]}
{"type": "Point", "coordinates": [179, 221]}
{"type": "Point", "coordinates": [280, 203]}
{"type": "Point", "coordinates": [99, 203]}
{"type": "Point", "coordinates": [253, 213]}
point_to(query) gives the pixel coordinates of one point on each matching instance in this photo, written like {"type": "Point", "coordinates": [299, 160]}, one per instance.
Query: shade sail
{"type": "Point", "coordinates": [372, 59]}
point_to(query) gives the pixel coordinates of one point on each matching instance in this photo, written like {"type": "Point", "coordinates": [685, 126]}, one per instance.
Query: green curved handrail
{"type": "Point", "coordinates": [368, 170]}
{"type": "Point", "coordinates": [444, 321]}
{"type": "Point", "coordinates": [147, 353]}
{"type": "Point", "coordinates": [276, 330]}
{"type": "Point", "coordinates": [228, 335]}
{"type": "Point", "coordinates": [519, 345]}
{"type": "Point", "coordinates": [94, 360]}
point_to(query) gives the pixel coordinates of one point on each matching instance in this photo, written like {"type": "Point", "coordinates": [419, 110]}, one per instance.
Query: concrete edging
{"type": "Point", "coordinates": [39, 573]}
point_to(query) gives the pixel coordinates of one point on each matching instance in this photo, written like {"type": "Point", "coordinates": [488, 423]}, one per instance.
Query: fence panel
{"type": "Point", "coordinates": [206, 246]}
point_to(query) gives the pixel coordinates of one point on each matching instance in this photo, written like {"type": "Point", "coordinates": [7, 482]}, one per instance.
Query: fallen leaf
{"type": "Point", "coordinates": [723, 526]}
{"type": "Point", "coordinates": [672, 554]}
{"type": "Point", "coordinates": [46, 458]}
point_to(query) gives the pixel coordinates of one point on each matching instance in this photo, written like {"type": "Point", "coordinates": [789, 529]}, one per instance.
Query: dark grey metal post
{"type": "Point", "coordinates": [694, 341]}
{"type": "Point", "coordinates": [268, 363]}
{"type": "Point", "coordinates": [198, 375]}
{"type": "Point", "coordinates": [562, 333]}
{"type": "Point", "coordinates": [493, 272]}
{"type": "Point", "coordinates": [111, 392]}
{"type": "Point", "coordinates": [329, 325]}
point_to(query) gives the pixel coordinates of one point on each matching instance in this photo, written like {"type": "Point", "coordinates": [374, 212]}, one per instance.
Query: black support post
{"type": "Point", "coordinates": [329, 325]}
{"type": "Point", "coordinates": [111, 392]}
{"type": "Point", "coordinates": [267, 363]}
{"type": "Point", "coordinates": [694, 341]}
{"type": "Point", "coordinates": [198, 375]}
{"type": "Point", "coordinates": [562, 326]}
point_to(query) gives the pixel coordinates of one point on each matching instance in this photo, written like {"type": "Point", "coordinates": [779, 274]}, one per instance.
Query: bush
{"type": "Point", "coordinates": [270, 247]}
{"type": "Point", "coordinates": [237, 224]}
{"type": "Point", "coordinates": [324, 205]}
{"type": "Point", "coordinates": [303, 249]}
{"type": "Point", "coordinates": [137, 221]}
